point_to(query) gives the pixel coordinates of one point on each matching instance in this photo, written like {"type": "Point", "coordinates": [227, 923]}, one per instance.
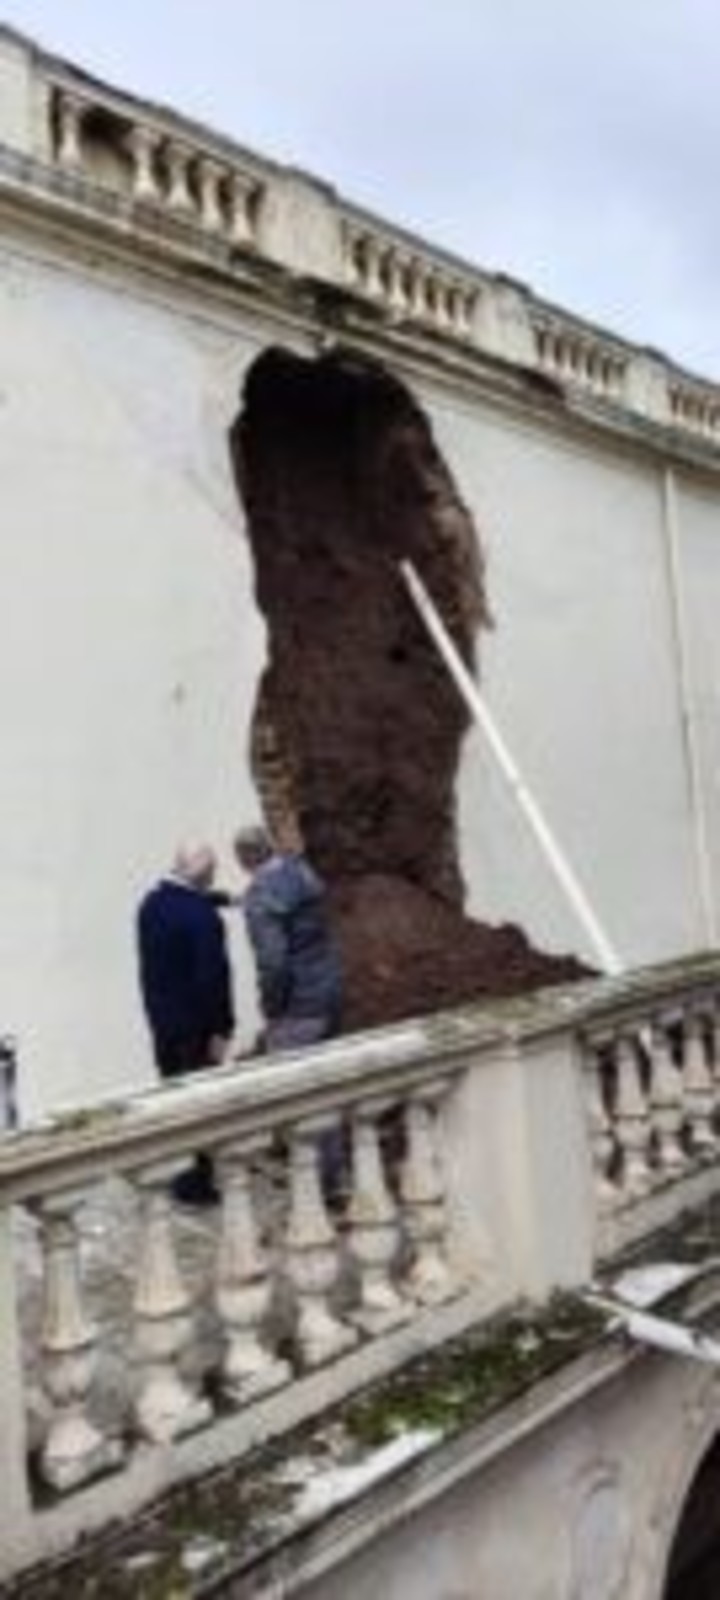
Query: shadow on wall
{"type": "Point", "coordinates": [358, 729]}
{"type": "Point", "coordinates": [694, 1567]}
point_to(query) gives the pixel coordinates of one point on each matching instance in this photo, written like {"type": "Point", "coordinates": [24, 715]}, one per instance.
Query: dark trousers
{"type": "Point", "coordinates": [297, 1033]}
{"type": "Point", "coordinates": [176, 1057]}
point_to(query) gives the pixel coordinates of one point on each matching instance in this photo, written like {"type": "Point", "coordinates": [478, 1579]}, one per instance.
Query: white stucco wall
{"type": "Point", "coordinates": [131, 646]}
{"type": "Point", "coordinates": [129, 654]}
{"type": "Point", "coordinates": [698, 514]}
{"type": "Point", "coordinates": [580, 674]}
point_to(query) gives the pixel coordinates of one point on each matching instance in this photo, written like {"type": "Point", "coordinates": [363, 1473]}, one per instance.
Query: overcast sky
{"type": "Point", "coordinates": [574, 144]}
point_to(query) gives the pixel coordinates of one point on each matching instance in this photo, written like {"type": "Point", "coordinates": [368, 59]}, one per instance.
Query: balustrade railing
{"type": "Point", "coordinates": [409, 283]}
{"type": "Point", "coordinates": [652, 1077]}
{"type": "Point", "coordinates": [114, 144]}
{"type": "Point", "coordinates": [330, 1237]}
{"type": "Point", "coordinates": [164, 167]}
{"type": "Point", "coordinates": [695, 406]}
{"type": "Point", "coordinates": [367, 1207]}
{"type": "Point", "coordinates": [575, 356]}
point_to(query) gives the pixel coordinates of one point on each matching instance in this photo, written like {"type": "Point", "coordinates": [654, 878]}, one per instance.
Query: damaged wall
{"type": "Point", "coordinates": [132, 646]}
{"type": "Point", "coordinates": [341, 480]}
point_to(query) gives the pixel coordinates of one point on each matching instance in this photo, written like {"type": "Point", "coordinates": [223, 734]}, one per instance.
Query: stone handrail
{"type": "Point", "coordinates": [375, 1196]}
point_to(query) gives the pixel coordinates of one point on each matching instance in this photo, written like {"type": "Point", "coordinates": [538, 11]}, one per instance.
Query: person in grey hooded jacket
{"type": "Point", "coordinates": [298, 968]}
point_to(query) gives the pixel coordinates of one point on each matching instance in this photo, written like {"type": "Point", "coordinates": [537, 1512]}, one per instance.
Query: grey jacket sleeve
{"type": "Point", "coordinates": [266, 928]}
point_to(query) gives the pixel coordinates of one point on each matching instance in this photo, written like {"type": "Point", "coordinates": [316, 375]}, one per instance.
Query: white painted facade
{"type": "Point", "coordinates": [131, 643]}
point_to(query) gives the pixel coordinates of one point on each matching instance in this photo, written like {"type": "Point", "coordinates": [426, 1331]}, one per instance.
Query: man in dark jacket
{"type": "Point", "coordinates": [184, 968]}
{"type": "Point", "coordinates": [297, 965]}
{"type": "Point", "coordinates": [186, 987]}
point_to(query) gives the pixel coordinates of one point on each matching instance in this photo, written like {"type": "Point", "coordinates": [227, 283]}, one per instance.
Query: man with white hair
{"type": "Point", "coordinates": [184, 967]}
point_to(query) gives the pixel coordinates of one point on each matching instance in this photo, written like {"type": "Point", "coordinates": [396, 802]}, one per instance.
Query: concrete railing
{"type": "Point", "coordinates": [652, 1070]}
{"type": "Point", "coordinates": [176, 187]}
{"type": "Point", "coordinates": [144, 157]}
{"type": "Point", "coordinates": [695, 406]}
{"type": "Point", "coordinates": [409, 283]}
{"type": "Point", "coordinates": [478, 1158]}
{"type": "Point", "coordinates": [576, 355]}
{"type": "Point", "coordinates": [342, 1242]}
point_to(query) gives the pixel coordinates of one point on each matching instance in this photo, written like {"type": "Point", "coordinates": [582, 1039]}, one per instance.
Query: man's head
{"type": "Point", "coordinates": [195, 865]}
{"type": "Point", "coordinates": [252, 847]}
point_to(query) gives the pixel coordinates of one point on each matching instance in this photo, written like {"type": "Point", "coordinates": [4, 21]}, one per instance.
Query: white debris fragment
{"type": "Point", "coordinates": [141, 1561]}
{"type": "Point", "coordinates": [333, 1486]}
{"type": "Point", "coordinates": [201, 1553]}
{"type": "Point", "coordinates": [645, 1285]}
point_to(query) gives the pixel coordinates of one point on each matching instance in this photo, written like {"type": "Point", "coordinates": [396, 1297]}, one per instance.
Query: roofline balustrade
{"type": "Point", "coordinates": [106, 159]}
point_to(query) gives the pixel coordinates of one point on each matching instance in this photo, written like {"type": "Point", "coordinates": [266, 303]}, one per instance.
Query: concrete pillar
{"type": "Point", "coordinates": [15, 1507]}
{"type": "Point", "coordinates": [299, 225]}
{"type": "Point", "coordinates": [16, 93]}
{"type": "Point", "coordinates": [520, 1191]}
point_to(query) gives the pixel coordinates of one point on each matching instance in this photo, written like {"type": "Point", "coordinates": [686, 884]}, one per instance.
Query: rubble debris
{"type": "Point", "coordinates": [361, 726]}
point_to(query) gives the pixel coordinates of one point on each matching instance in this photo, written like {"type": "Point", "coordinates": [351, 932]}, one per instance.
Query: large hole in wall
{"type": "Point", "coordinates": [358, 729]}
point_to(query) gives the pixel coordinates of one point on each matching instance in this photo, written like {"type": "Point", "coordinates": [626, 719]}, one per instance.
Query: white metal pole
{"type": "Point", "coordinates": [604, 950]}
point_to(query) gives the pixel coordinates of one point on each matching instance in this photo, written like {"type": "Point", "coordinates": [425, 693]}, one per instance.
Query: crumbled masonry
{"type": "Point", "coordinates": [358, 728]}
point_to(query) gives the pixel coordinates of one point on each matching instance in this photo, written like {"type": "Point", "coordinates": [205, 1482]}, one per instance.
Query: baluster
{"type": "Point", "coordinates": [453, 301]}
{"type": "Point", "coordinates": [244, 1288]}
{"type": "Point", "coordinates": [165, 1406]}
{"type": "Point", "coordinates": [434, 299]}
{"type": "Point", "coordinates": [242, 195]}
{"type": "Point", "coordinates": [179, 197]}
{"type": "Point", "coordinates": [313, 1250]}
{"type": "Point", "coordinates": [417, 289]}
{"type": "Point", "coordinates": [632, 1120]}
{"type": "Point", "coordinates": [143, 144]}
{"type": "Point", "coordinates": [619, 378]}
{"type": "Point", "coordinates": [443, 305]}
{"type": "Point", "coordinates": [397, 299]}
{"type": "Point", "coordinates": [354, 258]}
{"type": "Point", "coordinates": [558, 348]}
{"type": "Point", "coordinates": [70, 113]}
{"type": "Point", "coordinates": [666, 1103]}
{"type": "Point", "coordinates": [423, 1194]}
{"type": "Point", "coordinates": [699, 1088]}
{"type": "Point", "coordinates": [210, 173]}
{"type": "Point", "coordinates": [74, 1449]}
{"type": "Point", "coordinates": [543, 349]}
{"type": "Point", "coordinates": [713, 1025]}
{"type": "Point", "coordinates": [592, 371]}
{"type": "Point", "coordinates": [374, 285]}
{"type": "Point", "coordinates": [464, 312]}
{"type": "Point", "coordinates": [601, 1135]}
{"type": "Point", "coordinates": [374, 1225]}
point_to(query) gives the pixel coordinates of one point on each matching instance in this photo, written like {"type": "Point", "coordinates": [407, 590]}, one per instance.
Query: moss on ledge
{"type": "Point", "coordinates": [472, 1376]}
{"type": "Point", "coordinates": [186, 1544]}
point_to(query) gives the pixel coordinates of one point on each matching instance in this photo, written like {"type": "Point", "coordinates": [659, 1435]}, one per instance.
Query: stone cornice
{"type": "Point", "coordinates": [108, 164]}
